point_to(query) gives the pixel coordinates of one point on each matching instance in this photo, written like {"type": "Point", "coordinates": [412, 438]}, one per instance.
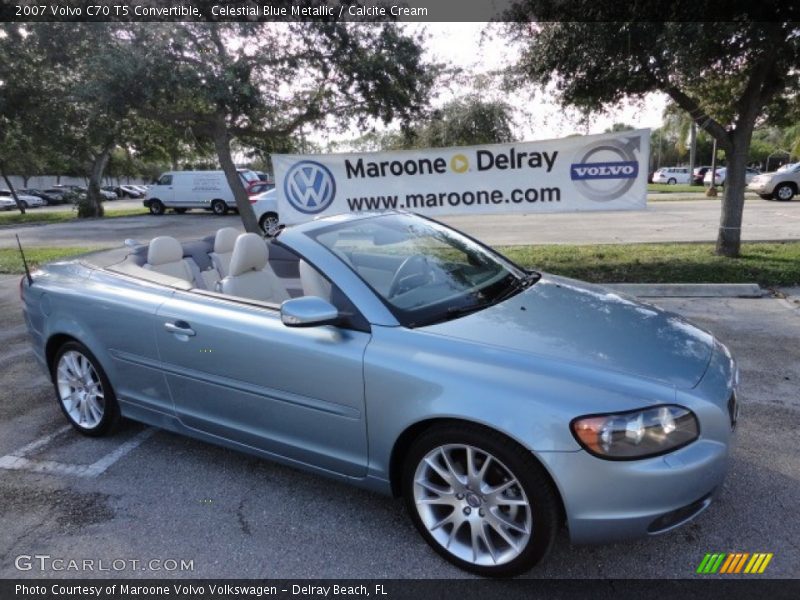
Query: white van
{"type": "Point", "coordinates": [182, 190]}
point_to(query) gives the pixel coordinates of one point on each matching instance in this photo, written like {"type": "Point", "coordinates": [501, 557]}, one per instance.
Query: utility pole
{"type": "Point", "coordinates": [712, 191]}
{"type": "Point", "coordinates": [692, 151]}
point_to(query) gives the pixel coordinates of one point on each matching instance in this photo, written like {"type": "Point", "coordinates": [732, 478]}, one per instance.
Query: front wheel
{"type": "Point", "coordinates": [784, 192]}
{"type": "Point", "coordinates": [480, 500]}
{"type": "Point", "coordinates": [83, 391]}
{"type": "Point", "coordinates": [156, 208]}
{"type": "Point", "coordinates": [671, 181]}
{"type": "Point", "coordinates": [268, 223]}
{"type": "Point", "coordinates": [218, 207]}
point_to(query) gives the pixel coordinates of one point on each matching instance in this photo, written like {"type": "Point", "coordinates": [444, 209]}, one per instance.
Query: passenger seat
{"type": "Point", "coordinates": [250, 275]}
{"type": "Point", "coordinates": [165, 256]}
{"type": "Point", "coordinates": [223, 250]}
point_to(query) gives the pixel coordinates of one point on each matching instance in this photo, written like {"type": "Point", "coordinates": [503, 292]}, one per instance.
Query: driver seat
{"type": "Point", "coordinates": [250, 275]}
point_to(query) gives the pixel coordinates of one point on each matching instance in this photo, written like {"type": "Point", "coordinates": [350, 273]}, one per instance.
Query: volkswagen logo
{"type": "Point", "coordinates": [309, 187]}
{"type": "Point", "coordinates": [607, 169]}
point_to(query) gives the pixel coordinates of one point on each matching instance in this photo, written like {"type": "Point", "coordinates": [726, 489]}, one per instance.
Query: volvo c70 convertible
{"type": "Point", "coordinates": [395, 353]}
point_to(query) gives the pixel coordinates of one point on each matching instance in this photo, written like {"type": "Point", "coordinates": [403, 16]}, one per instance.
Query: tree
{"type": "Point", "coordinates": [467, 121]}
{"type": "Point", "coordinates": [259, 84]}
{"type": "Point", "coordinates": [725, 75]}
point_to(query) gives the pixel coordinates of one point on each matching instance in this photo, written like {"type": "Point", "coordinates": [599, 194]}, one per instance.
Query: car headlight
{"type": "Point", "coordinates": [636, 434]}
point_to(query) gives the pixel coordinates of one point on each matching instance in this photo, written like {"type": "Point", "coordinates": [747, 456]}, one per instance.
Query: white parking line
{"type": "Point", "coordinates": [18, 461]}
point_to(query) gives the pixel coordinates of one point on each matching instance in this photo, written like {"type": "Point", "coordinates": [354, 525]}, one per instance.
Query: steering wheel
{"type": "Point", "coordinates": [413, 267]}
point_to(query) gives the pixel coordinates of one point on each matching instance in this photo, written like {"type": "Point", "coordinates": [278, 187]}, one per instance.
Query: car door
{"type": "Point", "coordinates": [236, 372]}
{"type": "Point", "coordinates": [163, 190]}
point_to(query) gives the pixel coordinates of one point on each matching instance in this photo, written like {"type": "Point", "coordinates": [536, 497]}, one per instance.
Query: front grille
{"type": "Point", "coordinates": [733, 409]}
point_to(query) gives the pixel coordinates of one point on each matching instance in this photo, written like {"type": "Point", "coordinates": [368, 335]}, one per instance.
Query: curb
{"type": "Point", "coordinates": [689, 290]}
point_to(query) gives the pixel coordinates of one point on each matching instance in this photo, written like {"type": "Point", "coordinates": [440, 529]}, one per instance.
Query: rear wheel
{"type": "Point", "coordinates": [784, 192]}
{"type": "Point", "coordinates": [219, 207]}
{"type": "Point", "coordinates": [156, 207]}
{"type": "Point", "coordinates": [671, 181]}
{"type": "Point", "coordinates": [268, 222]}
{"type": "Point", "coordinates": [83, 390]}
{"type": "Point", "coordinates": [480, 500]}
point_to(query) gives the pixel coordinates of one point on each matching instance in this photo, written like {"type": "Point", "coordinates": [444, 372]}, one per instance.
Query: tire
{"type": "Point", "coordinates": [179, 211]}
{"type": "Point", "coordinates": [671, 181]}
{"type": "Point", "coordinates": [219, 208]}
{"type": "Point", "coordinates": [529, 510]}
{"type": "Point", "coordinates": [156, 208]}
{"type": "Point", "coordinates": [266, 220]}
{"type": "Point", "coordinates": [76, 371]}
{"type": "Point", "coordinates": [784, 192]}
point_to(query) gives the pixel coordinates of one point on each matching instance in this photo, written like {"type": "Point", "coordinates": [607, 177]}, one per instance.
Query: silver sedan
{"type": "Point", "coordinates": [397, 354]}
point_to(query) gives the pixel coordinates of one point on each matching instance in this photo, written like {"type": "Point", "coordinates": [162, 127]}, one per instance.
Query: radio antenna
{"type": "Point", "coordinates": [24, 262]}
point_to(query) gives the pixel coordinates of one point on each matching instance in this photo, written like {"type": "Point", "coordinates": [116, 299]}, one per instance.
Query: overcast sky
{"type": "Point", "coordinates": [537, 115]}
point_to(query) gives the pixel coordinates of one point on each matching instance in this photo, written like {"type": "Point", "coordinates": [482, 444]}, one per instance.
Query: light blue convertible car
{"type": "Point", "coordinates": [395, 353]}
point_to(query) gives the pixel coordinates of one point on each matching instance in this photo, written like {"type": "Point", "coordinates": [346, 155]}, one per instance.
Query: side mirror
{"type": "Point", "coordinates": [308, 311]}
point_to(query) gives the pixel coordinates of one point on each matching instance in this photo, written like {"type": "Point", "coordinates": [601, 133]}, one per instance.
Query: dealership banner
{"type": "Point", "coordinates": [581, 173]}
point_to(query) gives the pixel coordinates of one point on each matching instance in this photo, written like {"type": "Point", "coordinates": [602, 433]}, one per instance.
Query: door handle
{"type": "Point", "coordinates": [180, 328]}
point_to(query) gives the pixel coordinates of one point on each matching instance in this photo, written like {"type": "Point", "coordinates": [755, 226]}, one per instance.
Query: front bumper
{"type": "Point", "coordinates": [607, 501]}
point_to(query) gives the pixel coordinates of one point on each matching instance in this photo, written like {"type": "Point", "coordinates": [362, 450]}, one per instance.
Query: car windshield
{"type": "Point", "coordinates": [424, 272]}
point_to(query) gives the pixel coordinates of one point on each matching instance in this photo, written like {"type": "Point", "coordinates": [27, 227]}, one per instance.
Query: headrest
{"type": "Point", "coordinates": [249, 254]}
{"type": "Point", "coordinates": [164, 249]}
{"type": "Point", "coordinates": [225, 239]}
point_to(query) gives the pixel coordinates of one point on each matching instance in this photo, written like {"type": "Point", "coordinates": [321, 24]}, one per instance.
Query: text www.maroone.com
{"type": "Point", "coordinates": [453, 199]}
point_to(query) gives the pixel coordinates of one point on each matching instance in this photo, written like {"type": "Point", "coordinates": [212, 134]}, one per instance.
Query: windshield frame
{"type": "Point", "coordinates": [412, 319]}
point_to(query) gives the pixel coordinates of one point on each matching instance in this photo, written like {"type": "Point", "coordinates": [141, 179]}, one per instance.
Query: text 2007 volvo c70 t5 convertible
{"type": "Point", "coordinates": [395, 353]}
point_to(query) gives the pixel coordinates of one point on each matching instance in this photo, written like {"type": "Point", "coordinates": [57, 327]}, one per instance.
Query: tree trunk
{"type": "Point", "coordinates": [223, 147]}
{"type": "Point", "coordinates": [11, 189]}
{"type": "Point", "coordinates": [94, 201]}
{"type": "Point", "coordinates": [730, 224]}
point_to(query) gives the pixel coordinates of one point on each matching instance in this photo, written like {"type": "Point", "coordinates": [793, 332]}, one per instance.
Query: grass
{"type": "Point", "coordinates": [10, 261]}
{"type": "Point", "coordinates": [34, 216]}
{"type": "Point", "coordinates": [768, 264]}
{"type": "Point", "coordinates": [673, 189]}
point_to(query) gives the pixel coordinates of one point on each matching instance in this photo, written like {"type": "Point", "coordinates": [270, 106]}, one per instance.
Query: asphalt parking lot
{"type": "Point", "coordinates": [145, 494]}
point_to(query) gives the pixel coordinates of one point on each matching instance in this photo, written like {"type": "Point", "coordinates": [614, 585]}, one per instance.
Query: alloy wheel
{"type": "Point", "coordinates": [80, 390]}
{"type": "Point", "coordinates": [472, 504]}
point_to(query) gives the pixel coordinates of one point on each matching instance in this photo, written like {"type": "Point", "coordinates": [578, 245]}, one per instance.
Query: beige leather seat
{"type": "Point", "coordinates": [250, 275]}
{"type": "Point", "coordinates": [165, 256]}
{"type": "Point", "coordinates": [223, 249]}
{"type": "Point", "coordinates": [313, 283]}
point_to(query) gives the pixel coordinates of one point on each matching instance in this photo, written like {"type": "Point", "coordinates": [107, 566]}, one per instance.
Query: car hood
{"type": "Point", "coordinates": [563, 319]}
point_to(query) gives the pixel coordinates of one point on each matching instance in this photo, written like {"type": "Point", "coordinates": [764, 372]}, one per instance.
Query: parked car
{"type": "Point", "coordinates": [259, 187]}
{"type": "Point", "coordinates": [26, 200]}
{"type": "Point", "coordinates": [389, 351]}
{"type": "Point", "coordinates": [48, 199]}
{"type": "Point", "coordinates": [698, 174]}
{"type": "Point", "coordinates": [182, 190]}
{"type": "Point", "coordinates": [722, 172]}
{"type": "Point", "coordinates": [129, 191]}
{"type": "Point", "coordinates": [780, 185]}
{"type": "Point", "coordinates": [111, 189]}
{"type": "Point", "coordinates": [672, 175]}
{"type": "Point", "coordinates": [61, 195]}
{"type": "Point", "coordinates": [7, 204]}
{"type": "Point", "coordinates": [265, 205]}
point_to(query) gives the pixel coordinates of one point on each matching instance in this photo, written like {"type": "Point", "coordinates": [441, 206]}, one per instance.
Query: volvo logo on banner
{"type": "Point", "coordinates": [574, 174]}
{"type": "Point", "coordinates": [309, 187]}
{"type": "Point", "coordinates": [607, 169]}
